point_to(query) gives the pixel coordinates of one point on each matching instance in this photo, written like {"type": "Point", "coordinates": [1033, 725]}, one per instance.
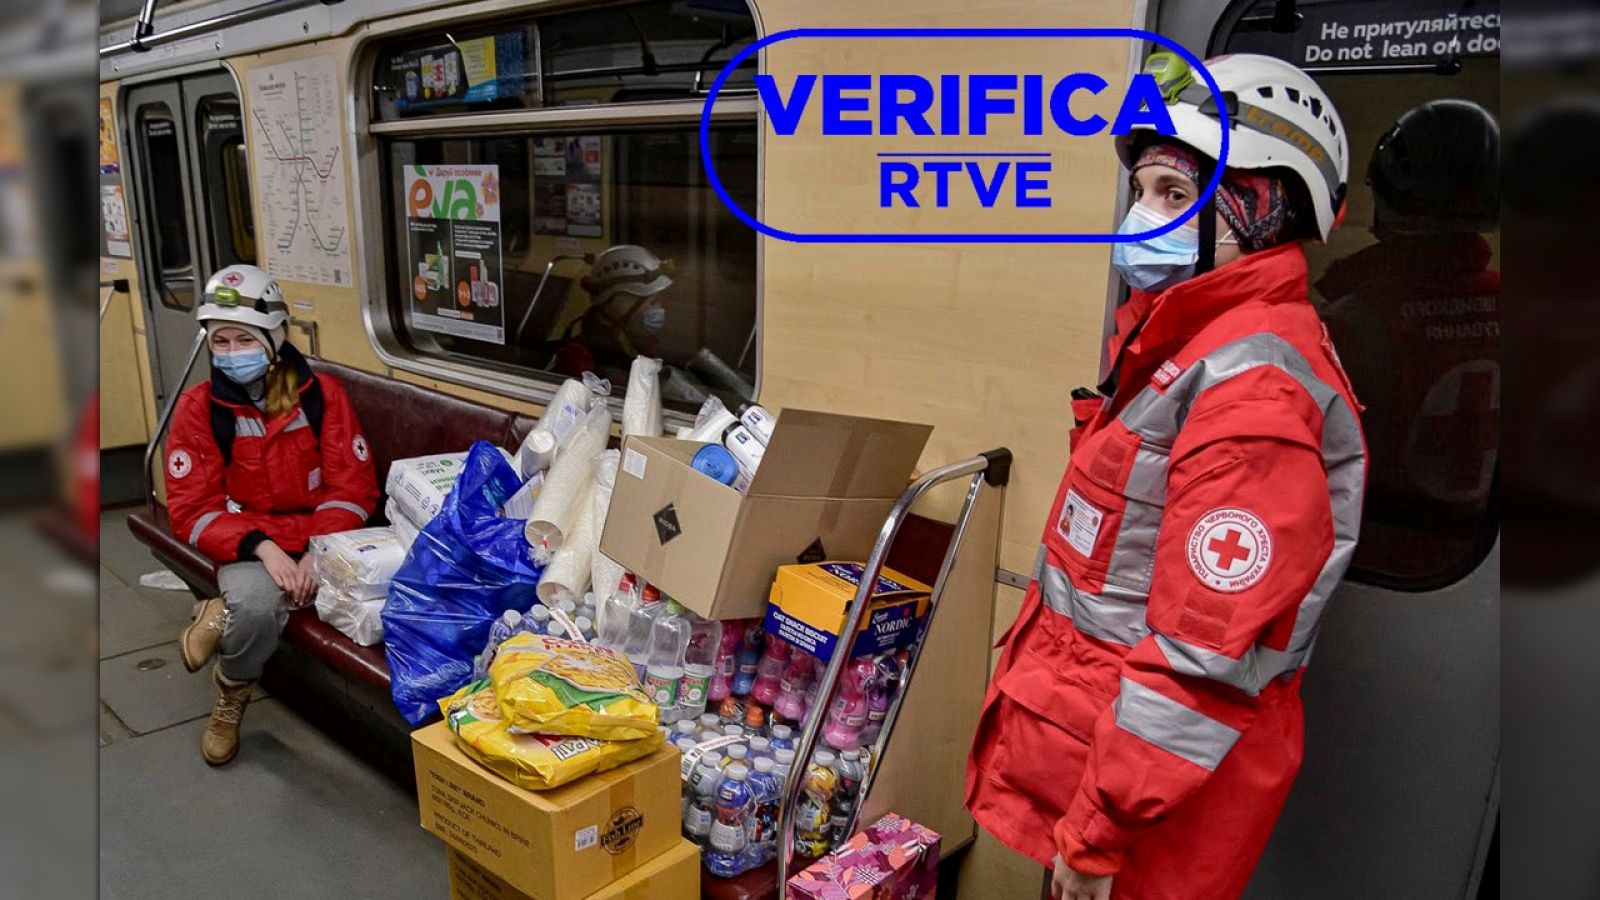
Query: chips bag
{"type": "Point", "coordinates": [533, 761]}
{"type": "Point", "coordinates": [550, 685]}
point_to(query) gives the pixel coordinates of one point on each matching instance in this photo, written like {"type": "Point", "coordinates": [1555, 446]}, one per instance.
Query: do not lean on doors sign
{"type": "Point", "coordinates": [453, 266]}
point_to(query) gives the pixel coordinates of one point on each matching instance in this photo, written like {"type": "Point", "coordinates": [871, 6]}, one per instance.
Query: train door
{"type": "Point", "coordinates": [1398, 794]}
{"type": "Point", "coordinates": [193, 208]}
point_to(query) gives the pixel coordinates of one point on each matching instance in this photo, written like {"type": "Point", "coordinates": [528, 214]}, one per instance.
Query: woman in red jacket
{"type": "Point", "coordinates": [261, 458]}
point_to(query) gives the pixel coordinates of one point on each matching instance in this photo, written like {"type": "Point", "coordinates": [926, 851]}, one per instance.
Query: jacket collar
{"type": "Point", "coordinates": [1159, 323]}
{"type": "Point", "coordinates": [224, 390]}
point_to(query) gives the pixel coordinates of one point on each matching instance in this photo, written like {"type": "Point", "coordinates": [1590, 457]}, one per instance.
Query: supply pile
{"type": "Point", "coordinates": [353, 570]}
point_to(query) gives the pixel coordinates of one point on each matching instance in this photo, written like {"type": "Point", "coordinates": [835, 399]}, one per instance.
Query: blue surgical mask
{"type": "Point", "coordinates": [653, 318]}
{"type": "Point", "coordinates": [1156, 263]}
{"type": "Point", "coordinates": [242, 366]}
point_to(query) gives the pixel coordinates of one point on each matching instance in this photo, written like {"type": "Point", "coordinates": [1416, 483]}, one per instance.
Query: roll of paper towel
{"type": "Point", "coordinates": [567, 575]}
{"type": "Point", "coordinates": [556, 510]}
{"type": "Point", "coordinates": [641, 407]}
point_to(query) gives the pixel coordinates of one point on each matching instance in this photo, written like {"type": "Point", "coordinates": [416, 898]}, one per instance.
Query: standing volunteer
{"type": "Point", "coordinates": [261, 458]}
{"type": "Point", "coordinates": [1144, 722]}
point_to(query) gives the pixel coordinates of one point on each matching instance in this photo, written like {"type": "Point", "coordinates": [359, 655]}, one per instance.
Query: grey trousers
{"type": "Point", "coordinates": [257, 612]}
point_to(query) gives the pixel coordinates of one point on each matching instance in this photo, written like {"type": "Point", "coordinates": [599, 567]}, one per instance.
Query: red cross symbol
{"type": "Point", "coordinates": [1229, 550]}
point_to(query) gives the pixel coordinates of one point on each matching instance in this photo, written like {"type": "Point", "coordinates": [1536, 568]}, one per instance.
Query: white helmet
{"type": "Point", "coordinates": [628, 269]}
{"type": "Point", "coordinates": [1279, 117]}
{"type": "Point", "coordinates": [245, 295]}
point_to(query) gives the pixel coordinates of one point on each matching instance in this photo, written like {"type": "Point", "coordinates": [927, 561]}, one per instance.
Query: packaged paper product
{"type": "Point", "coordinates": [556, 510]}
{"type": "Point", "coordinates": [418, 486]}
{"type": "Point", "coordinates": [558, 423]}
{"type": "Point", "coordinates": [549, 685]}
{"type": "Point", "coordinates": [404, 529]}
{"type": "Point", "coordinates": [359, 620]}
{"type": "Point", "coordinates": [604, 572]}
{"type": "Point", "coordinates": [711, 422]}
{"type": "Point", "coordinates": [893, 859]}
{"type": "Point", "coordinates": [566, 577]}
{"type": "Point", "coordinates": [360, 563]}
{"type": "Point", "coordinates": [641, 407]}
{"type": "Point", "coordinates": [533, 761]}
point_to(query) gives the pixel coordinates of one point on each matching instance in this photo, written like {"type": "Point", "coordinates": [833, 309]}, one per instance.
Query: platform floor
{"type": "Point", "coordinates": [294, 815]}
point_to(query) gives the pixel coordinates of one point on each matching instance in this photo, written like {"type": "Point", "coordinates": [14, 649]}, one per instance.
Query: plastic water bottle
{"type": "Point", "coordinates": [730, 833]}
{"type": "Point", "coordinates": [769, 671]}
{"type": "Point", "coordinates": [702, 792]}
{"type": "Point", "coordinates": [766, 794]}
{"type": "Point", "coordinates": [851, 774]}
{"type": "Point", "coordinates": [684, 728]}
{"type": "Point", "coordinates": [727, 662]}
{"type": "Point", "coordinates": [499, 630]}
{"type": "Point", "coordinates": [537, 620]}
{"type": "Point", "coordinates": [710, 724]}
{"type": "Point", "coordinates": [759, 747]}
{"type": "Point", "coordinates": [783, 764]}
{"type": "Point", "coordinates": [699, 664]}
{"type": "Point", "coordinates": [782, 737]}
{"type": "Point", "coordinates": [880, 695]}
{"type": "Point", "coordinates": [614, 634]}
{"type": "Point", "coordinates": [799, 674]}
{"type": "Point", "coordinates": [747, 659]}
{"type": "Point", "coordinates": [848, 714]}
{"type": "Point", "coordinates": [813, 822]}
{"type": "Point", "coordinates": [737, 753]}
{"type": "Point", "coordinates": [642, 618]}
{"type": "Point", "coordinates": [585, 627]}
{"type": "Point", "coordinates": [733, 730]}
{"type": "Point", "coordinates": [669, 637]}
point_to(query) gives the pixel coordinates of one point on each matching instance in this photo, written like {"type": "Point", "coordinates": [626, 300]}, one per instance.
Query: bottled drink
{"type": "Point", "coordinates": [848, 714]}
{"type": "Point", "coordinates": [759, 747]}
{"type": "Point", "coordinates": [500, 629]}
{"type": "Point", "coordinates": [669, 637]}
{"type": "Point", "coordinates": [537, 620]}
{"type": "Point", "coordinates": [766, 794]}
{"type": "Point", "coordinates": [782, 737]}
{"type": "Point", "coordinates": [614, 633]}
{"type": "Point", "coordinates": [727, 662]}
{"type": "Point", "coordinates": [845, 797]}
{"type": "Point", "coordinates": [730, 827]}
{"type": "Point", "coordinates": [880, 695]}
{"type": "Point", "coordinates": [731, 710]}
{"type": "Point", "coordinates": [699, 664]}
{"type": "Point", "coordinates": [755, 715]}
{"type": "Point", "coordinates": [736, 753]}
{"type": "Point", "coordinates": [798, 675]}
{"type": "Point", "coordinates": [568, 607]}
{"type": "Point", "coordinates": [710, 722]}
{"type": "Point", "coordinates": [733, 730]}
{"type": "Point", "coordinates": [641, 618]}
{"type": "Point", "coordinates": [684, 728]}
{"type": "Point", "coordinates": [585, 627]}
{"type": "Point", "coordinates": [702, 803]}
{"type": "Point", "coordinates": [783, 763]}
{"type": "Point", "coordinates": [769, 671]}
{"type": "Point", "coordinates": [747, 658]}
{"type": "Point", "coordinates": [813, 816]}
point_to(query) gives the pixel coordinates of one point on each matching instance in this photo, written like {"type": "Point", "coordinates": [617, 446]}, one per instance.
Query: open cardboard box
{"type": "Point", "coordinates": [823, 491]}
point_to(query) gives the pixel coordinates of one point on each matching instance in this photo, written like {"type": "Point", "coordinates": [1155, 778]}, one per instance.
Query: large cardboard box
{"type": "Point", "coordinates": [562, 844]}
{"type": "Point", "coordinates": [824, 488]}
{"type": "Point", "coordinates": [674, 875]}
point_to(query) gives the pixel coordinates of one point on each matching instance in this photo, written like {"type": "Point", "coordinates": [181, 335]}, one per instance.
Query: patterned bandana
{"type": "Point", "coordinates": [1254, 203]}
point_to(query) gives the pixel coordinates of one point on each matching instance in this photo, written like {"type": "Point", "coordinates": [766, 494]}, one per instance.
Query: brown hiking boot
{"type": "Point", "coordinates": [200, 639]}
{"type": "Point", "coordinates": [220, 741]}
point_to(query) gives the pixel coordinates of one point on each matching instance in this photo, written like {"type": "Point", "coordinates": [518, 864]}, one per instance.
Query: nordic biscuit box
{"type": "Point", "coordinates": [808, 605]}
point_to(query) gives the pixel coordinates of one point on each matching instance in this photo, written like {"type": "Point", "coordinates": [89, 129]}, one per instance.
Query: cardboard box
{"type": "Point", "coordinates": [562, 844]}
{"type": "Point", "coordinates": [824, 488]}
{"type": "Point", "coordinates": [674, 875]}
{"type": "Point", "coordinates": [808, 605]}
{"type": "Point", "coordinates": [892, 859]}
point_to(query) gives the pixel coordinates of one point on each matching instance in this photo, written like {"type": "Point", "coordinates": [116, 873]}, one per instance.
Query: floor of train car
{"type": "Point", "coordinates": [294, 814]}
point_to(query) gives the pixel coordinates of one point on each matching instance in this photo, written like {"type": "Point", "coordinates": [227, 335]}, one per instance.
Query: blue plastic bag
{"type": "Point", "coordinates": [466, 567]}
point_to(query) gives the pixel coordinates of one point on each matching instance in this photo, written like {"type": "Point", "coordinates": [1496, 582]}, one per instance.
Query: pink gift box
{"type": "Point", "coordinates": [893, 859]}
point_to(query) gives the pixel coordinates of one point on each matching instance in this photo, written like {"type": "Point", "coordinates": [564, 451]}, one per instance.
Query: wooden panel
{"type": "Point", "coordinates": [122, 400]}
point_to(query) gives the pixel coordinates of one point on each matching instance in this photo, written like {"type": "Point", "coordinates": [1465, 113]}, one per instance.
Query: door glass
{"type": "Point", "coordinates": [167, 212]}
{"type": "Point", "coordinates": [225, 172]}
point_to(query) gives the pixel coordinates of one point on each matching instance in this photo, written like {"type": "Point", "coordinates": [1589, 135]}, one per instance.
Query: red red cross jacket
{"type": "Point", "coordinates": [1144, 718]}
{"type": "Point", "coordinates": [279, 480]}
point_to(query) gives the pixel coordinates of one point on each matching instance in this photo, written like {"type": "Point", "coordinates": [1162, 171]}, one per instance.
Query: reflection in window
{"type": "Point", "coordinates": [225, 168]}
{"type": "Point", "coordinates": [164, 173]}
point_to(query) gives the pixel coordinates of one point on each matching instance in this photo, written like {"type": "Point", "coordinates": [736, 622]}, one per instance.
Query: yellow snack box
{"type": "Point", "coordinates": [549, 685]}
{"type": "Point", "coordinates": [533, 761]}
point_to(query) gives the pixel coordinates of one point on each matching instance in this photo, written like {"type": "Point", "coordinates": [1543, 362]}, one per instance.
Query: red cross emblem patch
{"type": "Point", "coordinates": [179, 464]}
{"type": "Point", "coordinates": [233, 279]}
{"type": "Point", "coordinates": [1229, 549]}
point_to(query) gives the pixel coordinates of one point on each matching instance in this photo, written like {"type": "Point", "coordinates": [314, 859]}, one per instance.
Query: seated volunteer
{"type": "Point", "coordinates": [1144, 722]}
{"type": "Point", "coordinates": [261, 458]}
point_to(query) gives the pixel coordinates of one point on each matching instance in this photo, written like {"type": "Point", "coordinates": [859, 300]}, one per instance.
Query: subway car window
{"type": "Point", "coordinates": [1409, 285]}
{"type": "Point", "coordinates": [226, 170]}
{"type": "Point", "coordinates": [500, 246]}
{"type": "Point", "coordinates": [164, 166]}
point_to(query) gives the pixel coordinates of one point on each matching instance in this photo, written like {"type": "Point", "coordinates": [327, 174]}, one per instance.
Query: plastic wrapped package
{"type": "Point", "coordinates": [468, 566]}
{"type": "Point", "coordinates": [566, 576]}
{"type": "Point", "coordinates": [559, 422]}
{"type": "Point", "coordinates": [404, 529]}
{"type": "Point", "coordinates": [358, 563]}
{"type": "Point", "coordinates": [418, 486]}
{"type": "Point", "coordinates": [641, 407]}
{"type": "Point", "coordinates": [604, 572]}
{"type": "Point", "coordinates": [712, 420]}
{"type": "Point", "coordinates": [533, 761]}
{"type": "Point", "coordinates": [359, 620]}
{"type": "Point", "coordinates": [550, 685]}
{"type": "Point", "coordinates": [556, 510]}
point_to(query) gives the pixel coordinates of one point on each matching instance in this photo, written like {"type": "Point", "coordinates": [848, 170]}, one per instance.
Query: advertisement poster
{"type": "Point", "coordinates": [453, 251]}
{"type": "Point", "coordinates": [114, 221]}
{"type": "Point", "coordinates": [567, 197]}
{"type": "Point", "coordinates": [476, 70]}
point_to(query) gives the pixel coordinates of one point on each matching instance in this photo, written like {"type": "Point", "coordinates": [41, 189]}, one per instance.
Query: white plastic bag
{"type": "Point", "coordinates": [358, 563]}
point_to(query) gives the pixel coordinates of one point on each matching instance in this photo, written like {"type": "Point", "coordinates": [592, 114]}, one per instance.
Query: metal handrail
{"type": "Point", "coordinates": [993, 467]}
{"type": "Point", "coordinates": [166, 420]}
{"type": "Point", "coordinates": [145, 37]}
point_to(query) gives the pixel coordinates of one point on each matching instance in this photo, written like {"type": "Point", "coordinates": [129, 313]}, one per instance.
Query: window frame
{"type": "Point", "coordinates": [371, 134]}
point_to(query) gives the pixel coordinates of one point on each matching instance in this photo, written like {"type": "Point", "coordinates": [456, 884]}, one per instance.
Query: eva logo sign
{"type": "Point", "coordinates": [462, 193]}
{"type": "Point", "coordinates": [922, 116]}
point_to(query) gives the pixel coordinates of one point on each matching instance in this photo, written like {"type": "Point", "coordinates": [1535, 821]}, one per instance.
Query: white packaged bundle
{"type": "Point", "coordinates": [557, 507]}
{"type": "Point", "coordinates": [559, 422]}
{"type": "Point", "coordinates": [358, 563]}
{"type": "Point", "coordinates": [419, 486]}
{"type": "Point", "coordinates": [641, 407]}
{"type": "Point", "coordinates": [359, 620]}
{"type": "Point", "coordinates": [404, 529]}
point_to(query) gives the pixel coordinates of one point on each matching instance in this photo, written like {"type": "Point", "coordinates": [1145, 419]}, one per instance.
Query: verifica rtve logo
{"type": "Point", "coordinates": [848, 105]}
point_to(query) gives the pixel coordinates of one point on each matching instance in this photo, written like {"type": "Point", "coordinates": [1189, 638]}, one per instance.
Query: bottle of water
{"type": "Point", "coordinates": [641, 618]}
{"type": "Point", "coordinates": [759, 747]}
{"type": "Point", "coordinates": [782, 738]}
{"type": "Point", "coordinates": [669, 638]}
{"type": "Point", "coordinates": [730, 829]}
{"type": "Point", "coordinates": [537, 620]}
{"type": "Point", "coordinates": [767, 795]}
{"type": "Point", "coordinates": [699, 664]}
{"type": "Point", "coordinates": [701, 808]}
{"type": "Point", "coordinates": [845, 797]}
{"type": "Point", "coordinates": [614, 634]}
{"type": "Point", "coordinates": [737, 753]}
{"type": "Point", "coordinates": [585, 627]}
{"type": "Point", "coordinates": [783, 764]}
{"type": "Point", "coordinates": [502, 628]}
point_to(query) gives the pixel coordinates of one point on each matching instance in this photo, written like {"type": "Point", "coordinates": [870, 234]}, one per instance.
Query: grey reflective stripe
{"type": "Point", "coordinates": [1111, 619]}
{"type": "Point", "coordinates": [249, 426]}
{"type": "Point", "coordinates": [1240, 117]}
{"type": "Point", "coordinates": [1038, 561]}
{"type": "Point", "coordinates": [1185, 733]}
{"type": "Point", "coordinates": [207, 519]}
{"type": "Point", "coordinates": [344, 505]}
{"type": "Point", "coordinates": [1133, 554]}
{"type": "Point", "coordinates": [299, 421]}
{"type": "Point", "coordinates": [1250, 673]}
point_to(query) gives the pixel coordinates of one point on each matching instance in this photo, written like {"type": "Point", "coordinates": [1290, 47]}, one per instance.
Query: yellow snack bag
{"type": "Point", "coordinates": [550, 685]}
{"type": "Point", "coordinates": [533, 761]}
